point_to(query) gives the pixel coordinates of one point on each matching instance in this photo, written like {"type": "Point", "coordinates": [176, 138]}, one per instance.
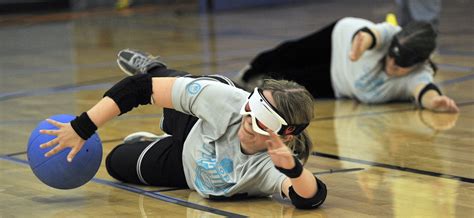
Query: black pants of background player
{"type": "Point", "coordinates": [306, 61]}
{"type": "Point", "coordinates": [158, 163]}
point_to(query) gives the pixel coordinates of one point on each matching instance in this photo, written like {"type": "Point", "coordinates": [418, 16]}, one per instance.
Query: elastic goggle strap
{"type": "Point", "coordinates": [262, 112]}
{"type": "Point", "coordinates": [403, 56]}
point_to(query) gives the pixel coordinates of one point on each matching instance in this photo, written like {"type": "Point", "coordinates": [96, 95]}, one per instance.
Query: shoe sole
{"type": "Point", "coordinates": [123, 69]}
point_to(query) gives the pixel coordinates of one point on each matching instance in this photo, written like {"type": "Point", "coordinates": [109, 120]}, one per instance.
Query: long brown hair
{"type": "Point", "coordinates": [296, 106]}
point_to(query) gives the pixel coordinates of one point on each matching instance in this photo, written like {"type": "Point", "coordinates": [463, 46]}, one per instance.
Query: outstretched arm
{"type": "Point", "coordinates": [430, 97]}
{"type": "Point", "coordinates": [106, 109]}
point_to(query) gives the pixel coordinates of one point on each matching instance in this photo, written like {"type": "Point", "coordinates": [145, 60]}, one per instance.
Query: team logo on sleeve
{"type": "Point", "coordinates": [193, 88]}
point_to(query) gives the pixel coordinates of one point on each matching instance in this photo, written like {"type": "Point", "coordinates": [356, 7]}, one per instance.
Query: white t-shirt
{"type": "Point", "coordinates": [365, 79]}
{"type": "Point", "coordinates": [212, 158]}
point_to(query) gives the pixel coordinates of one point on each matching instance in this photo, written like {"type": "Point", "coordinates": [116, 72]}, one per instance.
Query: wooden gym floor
{"type": "Point", "coordinates": [377, 160]}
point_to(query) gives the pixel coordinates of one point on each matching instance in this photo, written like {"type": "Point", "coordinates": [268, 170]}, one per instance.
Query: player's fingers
{"type": "Point", "coordinates": [276, 141]}
{"type": "Point", "coordinates": [54, 151]}
{"type": "Point", "coordinates": [54, 122]}
{"type": "Point", "coordinates": [270, 145]}
{"type": "Point", "coordinates": [453, 107]}
{"type": "Point", "coordinates": [50, 143]}
{"type": "Point", "coordinates": [73, 153]}
{"type": "Point", "coordinates": [273, 135]}
{"type": "Point", "coordinates": [280, 153]}
{"type": "Point", "coordinates": [49, 132]}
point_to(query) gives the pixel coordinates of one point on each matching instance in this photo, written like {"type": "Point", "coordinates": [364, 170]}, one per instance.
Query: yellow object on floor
{"type": "Point", "coordinates": [122, 4]}
{"type": "Point", "coordinates": [391, 19]}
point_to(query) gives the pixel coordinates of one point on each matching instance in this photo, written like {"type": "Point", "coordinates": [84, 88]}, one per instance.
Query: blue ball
{"type": "Point", "coordinates": [56, 171]}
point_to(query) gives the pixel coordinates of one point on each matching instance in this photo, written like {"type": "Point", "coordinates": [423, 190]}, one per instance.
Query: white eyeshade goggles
{"type": "Point", "coordinates": [265, 116]}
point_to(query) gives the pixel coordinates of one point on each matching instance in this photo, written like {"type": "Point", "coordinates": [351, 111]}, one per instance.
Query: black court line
{"type": "Point", "coordinates": [168, 189]}
{"type": "Point", "coordinates": [466, 103]}
{"type": "Point", "coordinates": [154, 195]}
{"type": "Point", "coordinates": [168, 199]}
{"type": "Point", "coordinates": [395, 167]}
{"type": "Point", "coordinates": [331, 171]}
{"type": "Point", "coordinates": [16, 153]}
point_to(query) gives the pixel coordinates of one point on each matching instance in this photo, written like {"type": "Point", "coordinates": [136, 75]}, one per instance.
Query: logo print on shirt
{"type": "Point", "coordinates": [370, 82]}
{"type": "Point", "coordinates": [193, 88]}
{"type": "Point", "coordinates": [211, 176]}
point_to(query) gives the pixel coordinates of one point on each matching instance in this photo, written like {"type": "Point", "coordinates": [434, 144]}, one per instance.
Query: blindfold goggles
{"type": "Point", "coordinates": [403, 56]}
{"type": "Point", "coordinates": [265, 116]}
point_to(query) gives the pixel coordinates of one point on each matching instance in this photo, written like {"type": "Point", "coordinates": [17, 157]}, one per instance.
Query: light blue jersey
{"type": "Point", "coordinates": [365, 79]}
{"type": "Point", "coordinates": [212, 158]}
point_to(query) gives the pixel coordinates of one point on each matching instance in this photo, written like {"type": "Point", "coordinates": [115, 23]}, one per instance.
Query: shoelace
{"type": "Point", "coordinates": [140, 62]}
{"type": "Point", "coordinates": [143, 62]}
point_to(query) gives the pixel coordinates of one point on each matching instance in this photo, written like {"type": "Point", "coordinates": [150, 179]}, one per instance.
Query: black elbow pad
{"type": "Point", "coordinates": [131, 92]}
{"type": "Point", "coordinates": [367, 30]}
{"type": "Point", "coordinates": [309, 203]}
{"type": "Point", "coordinates": [425, 89]}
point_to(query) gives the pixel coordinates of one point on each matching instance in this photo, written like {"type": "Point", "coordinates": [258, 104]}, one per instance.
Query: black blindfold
{"type": "Point", "coordinates": [403, 56]}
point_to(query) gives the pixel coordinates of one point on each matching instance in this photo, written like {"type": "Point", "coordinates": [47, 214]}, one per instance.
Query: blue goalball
{"type": "Point", "coordinates": [56, 171]}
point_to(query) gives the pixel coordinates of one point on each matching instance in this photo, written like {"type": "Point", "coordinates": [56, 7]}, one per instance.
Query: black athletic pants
{"type": "Point", "coordinates": [306, 61]}
{"type": "Point", "coordinates": [158, 163]}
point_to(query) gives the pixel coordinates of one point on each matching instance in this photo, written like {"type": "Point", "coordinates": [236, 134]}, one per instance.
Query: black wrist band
{"type": "Point", "coordinates": [292, 173]}
{"type": "Point", "coordinates": [367, 30]}
{"type": "Point", "coordinates": [84, 126]}
{"type": "Point", "coordinates": [425, 89]}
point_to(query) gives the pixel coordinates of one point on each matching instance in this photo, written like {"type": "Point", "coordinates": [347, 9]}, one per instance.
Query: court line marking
{"type": "Point", "coordinates": [154, 195]}
{"type": "Point", "coordinates": [448, 52]}
{"type": "Point", "coordinates": [456, 80]}
{"type": "Point", "coordinates": [456, 68]}
{"type": "Point", "coordinates": [168, 189]}
{"type": "Point", "coordinates": [331, 171]}
{"type": "Point", "coordinates": [395, 167]}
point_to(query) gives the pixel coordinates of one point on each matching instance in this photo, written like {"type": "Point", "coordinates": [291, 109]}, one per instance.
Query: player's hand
{"type": "Point", "coordinates": [281, 155]}
{"type": "Point", "coordinates": [360, 44]}
{"type": "Point", "coordinates": [443, 104]}
{"type": "Point", "coordinates": [66, 137]}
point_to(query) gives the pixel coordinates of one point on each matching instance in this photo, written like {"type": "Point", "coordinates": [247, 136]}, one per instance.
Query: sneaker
{"type": "Point", "coordinates": [251, 83]}
{"type": "Point", "coordinates": [142, 137]}
{"type": "Point", "coordinates": [134, 62]}
{"type": "Point", "coordinates": [238, 79]}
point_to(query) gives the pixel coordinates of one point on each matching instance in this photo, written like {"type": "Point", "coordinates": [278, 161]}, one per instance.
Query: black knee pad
{"type": "Point", "coordinates": [131, 92]}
